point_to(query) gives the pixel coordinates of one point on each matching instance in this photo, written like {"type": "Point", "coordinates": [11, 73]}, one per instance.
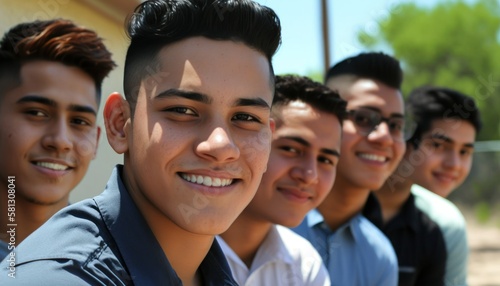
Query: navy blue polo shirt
{"type": "Point", "coordinates": [103, 241]}
{"type": "Point", "coordinates": [418, 242]}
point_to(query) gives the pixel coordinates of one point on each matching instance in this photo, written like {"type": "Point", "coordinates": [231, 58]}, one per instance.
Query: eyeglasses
{"type": "Point", "coordinates": [367, 120]}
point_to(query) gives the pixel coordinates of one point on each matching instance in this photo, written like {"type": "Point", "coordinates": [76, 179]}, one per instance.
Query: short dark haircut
{"type": "Point", "coordinates": [427, 104]}
{"type": "Point", "coordinates": [373, 65]}
{"type": "Point", "coordinates": [57, 40]}
{"type": "Point", "coordinates": [291, 87]}
{"type": "Point", "coordinates": [156, 24]}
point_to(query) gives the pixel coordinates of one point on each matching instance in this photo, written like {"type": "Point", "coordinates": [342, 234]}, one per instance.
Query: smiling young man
{"type": "Point", "coordinates": [195, 132]}
{"type": "Point", "coordinates": [354, 251]}
{"type": "Point", "coordinates": [300, 172]}
{"type": "Point", "coordinates": [427, 231]}
{"type": "Point", "coordinates": [50, 83]}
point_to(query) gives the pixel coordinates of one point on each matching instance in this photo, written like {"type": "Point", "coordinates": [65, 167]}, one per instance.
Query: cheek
{"type": "Point", "coordinates": [256, 150]}
{"type": "Point", "coordinates": [86, 145]}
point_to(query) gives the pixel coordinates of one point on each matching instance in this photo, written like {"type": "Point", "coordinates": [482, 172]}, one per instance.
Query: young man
{"type": "Point", "coordinates": [428, 232]}
{"type": "Point", "coordinates": [300, 172]}
{"type": "Point", "coordinates": [195, 132]}
{"type": "Point", "coordinates": [50, 88]}
{"type": "Point", "coordinates": [353, 249]}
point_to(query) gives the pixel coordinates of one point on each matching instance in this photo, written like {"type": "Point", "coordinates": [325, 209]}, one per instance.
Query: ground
{"type": "Point", "coordinates": [484, 259]}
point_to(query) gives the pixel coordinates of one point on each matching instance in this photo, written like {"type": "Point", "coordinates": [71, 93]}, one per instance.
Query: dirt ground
{"type": "Point", "coordinates": [484, 259]}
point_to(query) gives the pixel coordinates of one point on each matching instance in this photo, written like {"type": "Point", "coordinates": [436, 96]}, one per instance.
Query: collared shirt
{"type": "Point", "coordinates": [103, 241]}
{"type": "Point", "coordinates": [452, 224]}
{"type": "Point", "coordinates": [418, 242]}
{"type": "Point", "coordinates": [357, 253]}
{"type": "Point", "coordinates": [284, 258]}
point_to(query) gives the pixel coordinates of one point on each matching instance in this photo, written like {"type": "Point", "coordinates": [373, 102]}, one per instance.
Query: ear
{"type": "Point", "coordinates": [116, 115]}
{"type": "Point", "coordinates": [272, 125]}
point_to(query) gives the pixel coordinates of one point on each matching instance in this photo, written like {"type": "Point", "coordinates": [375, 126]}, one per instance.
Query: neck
{"type": "Point", "coordinates": [392, 198]}
{"type": "Point", "coordinates": [245, 236]}
{"type": "Point", "coordinates": [24, 216]}
{"type": "Point", "coordinates": [342, 203]}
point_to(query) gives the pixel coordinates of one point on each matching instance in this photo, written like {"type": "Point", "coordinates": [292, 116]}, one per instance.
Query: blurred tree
{"type": "Point", "coordinates": [453, 44]}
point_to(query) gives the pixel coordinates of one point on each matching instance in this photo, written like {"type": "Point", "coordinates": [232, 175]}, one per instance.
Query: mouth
{"type": "Point", "coordinates": [373, 157]}
{"type": "Point", "coordinates": [52, 166]}
{"type": "Point", "coordinates": [206, 180]}
{"type": "Point", "coordinates": [295, 195]}
{"type": "Point", "coordinates": [445, 178]}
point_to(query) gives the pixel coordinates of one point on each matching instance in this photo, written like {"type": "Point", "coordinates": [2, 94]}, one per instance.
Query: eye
{"type": "Point", "coordinates": [289, 149]}
{"type": "Point", "coordinates": [245, 117]}
{"type": "Point", "coordinates": [181, 110]}
{"type": "Point", "coordinates": [465, 152]}
{"type": "Point", "coordinates": [35, 113]}
{"type": "Point", "coordinates": [80, 121]}
{"type": "Point", "coordinates": [326, 160]}
{"type": "Point", "coordinates": [363, 119]}
{"type": "Point", "coordinates": [396, 125]}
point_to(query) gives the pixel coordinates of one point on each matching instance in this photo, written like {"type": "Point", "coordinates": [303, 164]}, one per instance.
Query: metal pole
{"type": "Point", "coordinates": [326, 40]}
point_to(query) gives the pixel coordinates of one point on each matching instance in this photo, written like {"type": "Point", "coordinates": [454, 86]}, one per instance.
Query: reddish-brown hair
{"type": "Point", "coordinates": [61, 41]}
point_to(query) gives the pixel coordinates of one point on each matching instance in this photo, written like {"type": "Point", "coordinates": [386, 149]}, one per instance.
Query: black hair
{"type": "Point", "coordinates": [427, 104]}
{"type": "Point", "coordinates": [290, 88]}
{"type": "Point", "coordinates": [157, 23]}
{"type": "Point", "coordinates": [57, 40]}
{"type": "Point", "coordinates": [373, 65]}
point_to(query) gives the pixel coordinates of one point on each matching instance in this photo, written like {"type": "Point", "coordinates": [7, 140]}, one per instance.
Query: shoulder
{"type": "Point", "coordinates": [294, 242]}
{"type": "Point", "coordinates": [439, 209]}
{"type": "Point", "coordinates": [73, 243]}
{"type": "Point", "coordinates": [372, 240]}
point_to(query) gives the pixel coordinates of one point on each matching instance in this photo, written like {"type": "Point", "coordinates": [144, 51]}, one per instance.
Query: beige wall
{"type": "Point", "coordinates": [109, 26]}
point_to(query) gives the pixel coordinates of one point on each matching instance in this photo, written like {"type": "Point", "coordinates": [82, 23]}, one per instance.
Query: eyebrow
{"type": "Point", "coordinates": [203, 98]}
{"type": "Point", "coordinates": [52, 103]}
{"type": "Point", "coordinates": [380, 111]}
{"type": "Point", "coordinates": [449, 140]}
{"type": "Point", "coordinates": [303, 142]}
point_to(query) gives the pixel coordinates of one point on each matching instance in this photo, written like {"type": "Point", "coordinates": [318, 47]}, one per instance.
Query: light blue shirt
{"type": "Point", "coordinates": [357, 253]}
{"type": "Point", "coordinates": [452, 224]}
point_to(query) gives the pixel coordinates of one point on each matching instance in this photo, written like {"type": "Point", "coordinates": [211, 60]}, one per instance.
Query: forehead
{"type": "Point", "coordinates": [299, 118]}
{"type": "Point", "coordinates": [56, 81]}
{"type": "Point", "coordinates": [460, 132]}
{"type": "Point", "coordinates": [216, 68]}
{"type": "Point", "coordinates": [375, 94]}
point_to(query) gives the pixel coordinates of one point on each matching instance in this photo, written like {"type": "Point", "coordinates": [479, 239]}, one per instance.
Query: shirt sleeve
{"type": "Point", "coordinates": [457, 261]}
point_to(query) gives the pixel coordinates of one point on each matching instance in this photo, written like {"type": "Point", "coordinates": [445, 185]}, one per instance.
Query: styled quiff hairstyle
{"type": "Point", "coordinates": [373, 65]}
{"type": "Point", "coordinates": [56, 40]}
{"type": "Point", "coordinates": [158, 23]}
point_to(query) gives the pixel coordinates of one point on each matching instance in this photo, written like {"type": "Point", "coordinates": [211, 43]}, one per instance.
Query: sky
{"type": "Point", "coordinates": [301, 51]}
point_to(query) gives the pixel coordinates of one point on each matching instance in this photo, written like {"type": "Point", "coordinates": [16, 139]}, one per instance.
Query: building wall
{"type": "Point", "coordinates": [107, 23]}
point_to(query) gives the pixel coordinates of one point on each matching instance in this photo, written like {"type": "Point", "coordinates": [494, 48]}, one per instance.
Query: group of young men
{"type": "Point", "coordinates": [231, 175]}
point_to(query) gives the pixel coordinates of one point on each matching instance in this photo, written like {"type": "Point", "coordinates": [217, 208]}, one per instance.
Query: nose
{"type": "Point", "coordinates": [218, 146]}
{"type": "Point", "coordinates": [381, 134]}
{"type": "Point", "coordinates": [306, 172]}
{"type": "Point", "coordinates": [58, 136]}
{"type": "Point", "coordinates": [451, 160]}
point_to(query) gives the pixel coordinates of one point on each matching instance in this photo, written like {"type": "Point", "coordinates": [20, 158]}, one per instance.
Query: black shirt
{"type": "Point", "coordinates": [418, 243]}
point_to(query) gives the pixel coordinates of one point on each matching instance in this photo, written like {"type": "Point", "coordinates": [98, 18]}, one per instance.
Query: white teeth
{"type": "Point", "coordinates": [53, 166]}
{"type": "Point", "coordinates": [373, 157]}
{"type": "Point", "coordinates": [207, 181]}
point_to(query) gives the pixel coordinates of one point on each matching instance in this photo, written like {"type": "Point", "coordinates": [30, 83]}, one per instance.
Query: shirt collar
{"type": "Point", "coordinates": [315, 219]}
{"type": "Point", "coordinates": [143, 256]}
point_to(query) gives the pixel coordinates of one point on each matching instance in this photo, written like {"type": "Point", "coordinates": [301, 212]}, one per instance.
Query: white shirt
{"type": "Point", "coordinates": [284, 258]}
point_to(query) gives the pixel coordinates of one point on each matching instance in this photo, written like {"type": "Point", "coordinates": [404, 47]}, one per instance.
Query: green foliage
{"type": "Point", "coordinates": [483, 212]}
{"type": "Point", "coordinates": [453, 44]}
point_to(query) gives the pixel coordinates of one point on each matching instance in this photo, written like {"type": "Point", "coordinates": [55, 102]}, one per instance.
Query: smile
{"type": "Point", "coordinates": [52, 166]}
{"type": "Point", "coordinates": [372, 157]}
{"type": "Point", "coordinates": [206, 180]}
